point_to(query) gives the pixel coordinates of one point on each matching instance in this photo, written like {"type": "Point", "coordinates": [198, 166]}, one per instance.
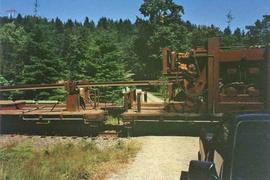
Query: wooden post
{"type": "Point", "coordinates": [267, 58]}
{"type": "Point", "coordinates": [131, 94]}
{"type": "Point", "coordinates": [129, 99]}
{"type": "Point", "coordinates": [139, 103]}
{"type": "Point", "coordinates": [164, 60]}
{"type": "Point", "coordinates": [134, 95]}
{"type": "Point", "coordinates": [170, 90]}
{"type": "Point", "coordinates": [95, 101]}
{"type": "Point", "coordinates": [213, 74]}
{"type": "Point", "coordinates": [145, 96]}
{"type": "Point", "coordinates": [126, 101]}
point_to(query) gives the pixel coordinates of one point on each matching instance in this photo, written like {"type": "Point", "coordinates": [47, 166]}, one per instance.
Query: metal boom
{"type": "Point", "coordinates": [81, 84]}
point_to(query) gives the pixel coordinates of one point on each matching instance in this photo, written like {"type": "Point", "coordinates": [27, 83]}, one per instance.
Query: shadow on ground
{"type": "Point", "coordinates": [171, 128]}
{"type": "Point", "coordinates": [13, 125]}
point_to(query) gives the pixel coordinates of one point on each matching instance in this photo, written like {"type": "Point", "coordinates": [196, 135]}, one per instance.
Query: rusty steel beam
{"type": "Point", "coordinates": [210, 83]}
{"type": "Point", "coordinates": [165, 60]}
{"type": "Point", "coordinates": [170, 90]}
{"type": "Point", "coordinates": [250, 54]}
{"type": "Point", "coordinates": [216, 74]}
{"type": "Point", "coordinates": [73, 103]}
{"type": "Point", "coordinates": [267, 58]}
{"type": "Point", "coordinates": [123, 83]}
{"type": "Point", "coordinates": [173, 61]}
{"type": "Point", "coordinates": [91, 84]}
{"type": "Point", "coordinates": [213, 73]}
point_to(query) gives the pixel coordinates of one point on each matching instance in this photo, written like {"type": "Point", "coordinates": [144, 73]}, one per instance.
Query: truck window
{"type": "Point", "coordinates": [251, 157]}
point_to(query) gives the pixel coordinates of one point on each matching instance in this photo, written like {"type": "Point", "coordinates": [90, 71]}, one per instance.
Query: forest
{"type": "Point", "coordinates": [36, 50]}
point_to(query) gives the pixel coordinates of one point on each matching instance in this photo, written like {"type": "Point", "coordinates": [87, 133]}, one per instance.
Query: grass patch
{"type": "Point", "coordinates": [81, 160]}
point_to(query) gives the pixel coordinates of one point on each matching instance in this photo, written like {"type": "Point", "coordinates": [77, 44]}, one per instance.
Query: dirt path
{"type": "Point", "coordinates": [153, 99]}
{"type": "Point", "coordinates": [160, 158]}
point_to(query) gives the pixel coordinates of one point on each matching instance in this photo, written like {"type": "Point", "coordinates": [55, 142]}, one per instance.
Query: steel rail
{"type": "Point", "coordinates": [80, 84]}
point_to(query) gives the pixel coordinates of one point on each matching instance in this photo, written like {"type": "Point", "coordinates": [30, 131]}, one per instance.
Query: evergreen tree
{"type": "Point", "coordinates": [89, 24]}
{"type": "Point", "coordinates": [237, 33]}
{"type": "Point", "coordinates": [227, 31]}
{"type": "Point", "coordinates": [259, 33]}
{"type": "Point", "coordinates": [200, 35]}
{"type": "Point", "coordinates": [14, 41]}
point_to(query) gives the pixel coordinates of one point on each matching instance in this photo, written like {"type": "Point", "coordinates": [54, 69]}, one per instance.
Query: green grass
{"type": "Point", "coordinates": [64, 160]}
{"type": "Point", "coordinates": [113, 121]}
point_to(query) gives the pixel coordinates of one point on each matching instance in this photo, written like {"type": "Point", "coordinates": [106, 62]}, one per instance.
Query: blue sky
{"type": "Point", "coordinates": [246, 12]}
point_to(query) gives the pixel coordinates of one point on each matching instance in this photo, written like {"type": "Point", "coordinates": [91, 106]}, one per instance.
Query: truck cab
{"type": "Point", "coordinates": [238, 150]}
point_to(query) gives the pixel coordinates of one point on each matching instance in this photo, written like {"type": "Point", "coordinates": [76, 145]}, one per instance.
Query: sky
{"type": "Point", "coordinates": [201, 12]}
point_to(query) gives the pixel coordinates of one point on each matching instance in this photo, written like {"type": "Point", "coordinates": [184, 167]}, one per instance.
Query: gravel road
{"type": "Point", "coordinates": [161, 158]}
{"type": "Point", "coordinates": [153, 99]}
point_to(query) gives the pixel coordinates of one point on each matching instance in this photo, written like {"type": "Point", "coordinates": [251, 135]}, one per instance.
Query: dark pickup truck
{"type": "Point", "coordinates": [238, 150]}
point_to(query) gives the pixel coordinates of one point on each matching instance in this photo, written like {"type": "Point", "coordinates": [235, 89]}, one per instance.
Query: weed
{"type": "Point", "coordinates": [80, 160]}
{"type": "Point", "coordinates": [113, 121]}
{"type": "Point", "coordinates": [3, 155]}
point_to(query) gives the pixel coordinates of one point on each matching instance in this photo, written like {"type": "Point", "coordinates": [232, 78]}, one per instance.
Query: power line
{"type": "Point", "coordinates": [11, 13]}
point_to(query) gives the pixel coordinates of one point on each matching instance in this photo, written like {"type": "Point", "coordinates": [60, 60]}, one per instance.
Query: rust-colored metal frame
{"type": "Point", "coordinates": [213, 72]}
{"type": "Point", "coordinates": [267, 58]}
{"type": "Point", "coordinates": [217, 103]}
{"type": "Point", "coordinates": [217, 56]}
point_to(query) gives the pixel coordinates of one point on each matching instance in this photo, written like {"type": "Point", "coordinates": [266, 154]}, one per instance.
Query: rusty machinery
{"type": "Point", "coordinates": [213, 80]}
{"type": "Point", "coordinates": [74, 109]}
{"type": "Point", "coordinates": [81, 108]}
{"type": "Point", "coordinates": [77, 89]}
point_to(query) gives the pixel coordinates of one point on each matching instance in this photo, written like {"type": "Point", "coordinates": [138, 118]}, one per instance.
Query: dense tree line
{"type": "Point", "coordinates": [37, 50]}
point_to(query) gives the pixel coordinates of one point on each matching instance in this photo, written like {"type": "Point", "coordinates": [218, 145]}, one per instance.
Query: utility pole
{"type": "Point", "coordinates": [229, 18]}
{"type": "Point", "coordinates": [35, 7]}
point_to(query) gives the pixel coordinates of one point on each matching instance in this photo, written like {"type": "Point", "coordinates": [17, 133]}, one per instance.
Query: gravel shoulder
{"type": "Point", "coordinates": [160, 158]}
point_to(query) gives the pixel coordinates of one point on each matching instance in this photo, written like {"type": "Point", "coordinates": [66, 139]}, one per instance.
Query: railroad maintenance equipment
{"type": "Point", "coordinates": [201, 86]}
{"type": "Point", "coordinates": [82, 112]}
{"type": "Point", "coordinates": [205, 83]}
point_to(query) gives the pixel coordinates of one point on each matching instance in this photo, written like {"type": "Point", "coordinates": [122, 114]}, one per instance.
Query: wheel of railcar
{"type": "Point", "coordinates": [252, 91]}
{"type": "Point", "coordinates": [230, 91]}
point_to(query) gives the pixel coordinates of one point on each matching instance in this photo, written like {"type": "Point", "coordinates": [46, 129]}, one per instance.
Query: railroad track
{"type": "Point", "coordinates": [108, 134]}
{"type": "Point", "coordinates": [102, 135]}
{"type": "Point", "coordinates": [45, 141]}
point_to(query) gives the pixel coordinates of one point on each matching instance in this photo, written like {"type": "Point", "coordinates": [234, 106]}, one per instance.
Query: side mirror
{"type": "Point", "coordinates": [209, 137]}
{"type": "Point", "coordinates": [206, 136]}
{"type": "Point", "coordinates": [209, 146]}
{"type": "Point", "coordinates": [202, 170]}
